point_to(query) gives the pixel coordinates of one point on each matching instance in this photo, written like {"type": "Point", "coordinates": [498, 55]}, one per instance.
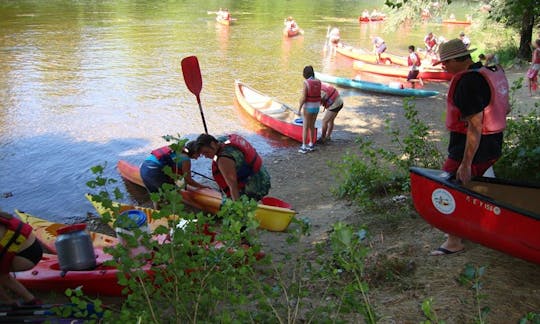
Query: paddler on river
{"type": "Point", "coordinates": [237, 168]}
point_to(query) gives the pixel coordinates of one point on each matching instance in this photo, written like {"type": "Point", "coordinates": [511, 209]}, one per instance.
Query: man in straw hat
{"type": "Point", "coordinates": [477, 105]}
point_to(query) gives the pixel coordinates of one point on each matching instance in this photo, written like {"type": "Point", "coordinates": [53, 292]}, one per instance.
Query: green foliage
{"type": "Point", "coordinates": [520, 158]}
{"type": "Point", "coordinates": [533, 318]}
{"type": "Point", "coordinates": [381, 172]}
{"type": "Point", "coordinates": [471, 276]}
{"type": "Point", "coordinates": [429, 312]}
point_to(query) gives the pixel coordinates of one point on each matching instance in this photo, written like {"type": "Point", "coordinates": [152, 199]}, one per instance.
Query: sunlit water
{"type": "Point", "coordinates": [84, 83]}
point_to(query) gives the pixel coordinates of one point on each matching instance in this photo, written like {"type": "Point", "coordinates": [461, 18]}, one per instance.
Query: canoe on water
{"type": "Point", "coordinates": [226, 22]}
{"type": "Point", "coordinates": [272, 213]}
{"type": "Point", "coordinates": [375, 87]}
{"type": "Point", "coordinates": [500, 214]}
{"type": "Point", "coordinates": [456, 22]}
{"type": "Point", "coordinates": [45, 231]}
{"type": "Point", "coordinates": [370, 57]}
{"type": "Point", "coordinates": [269, 112]}
{"type": "Point", "coordinates": [292, 32]}
{"type": "Point", "coordinates": [426, 73]}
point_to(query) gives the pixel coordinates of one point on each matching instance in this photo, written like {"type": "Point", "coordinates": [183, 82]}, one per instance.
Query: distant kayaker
{"type": "Point", "coordinates": [224, 14]}
{"type": "Point", "coordinates": [310, 103]}
{"type": "Point", "coordinates": [477, 105]}
{"type": "Point", "coordinates": [19, 251]}
{"type": "Point", "coordinates": [332, 103]}
{"type": "Point", "coordinates": [430, 42]}
{"type": "Point", "coordinates": [152, 169]}
{"type": "Point", "coordinates": [379, 47]}
{"type": "Point", "coordinates": [414, 62]}
{"type": "Point", "coordinates": [290, 23]}
{"type": "Point", "coordinates": [237, 168]}
{"type": "Point", "coordinates": [333, 36]}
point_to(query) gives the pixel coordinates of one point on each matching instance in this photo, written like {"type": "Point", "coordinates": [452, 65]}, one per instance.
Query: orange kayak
{"type": "Point", "coordinates": [272, 213]}
{"type": "Point", "coordinates": [426, 73]}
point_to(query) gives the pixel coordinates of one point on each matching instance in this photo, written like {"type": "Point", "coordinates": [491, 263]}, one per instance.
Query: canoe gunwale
{"type": "Point", "coordinates": [448, 182]}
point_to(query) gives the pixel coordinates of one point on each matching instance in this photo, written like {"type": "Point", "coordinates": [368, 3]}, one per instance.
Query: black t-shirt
{"type": "Point", "coordinates": [472, 94]}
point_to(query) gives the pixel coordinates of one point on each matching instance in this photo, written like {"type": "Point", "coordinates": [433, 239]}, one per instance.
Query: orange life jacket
{"type": "Point", "coordinates": [250, 165]}
{"type": "Point", "coordinates": [494, 113]}
{"type": "Point", "coordinates": [313, 96]}
{"type": "Point", "coordinates": [331, 95]}
{"type": "Point", "coordinates": [17, 232]}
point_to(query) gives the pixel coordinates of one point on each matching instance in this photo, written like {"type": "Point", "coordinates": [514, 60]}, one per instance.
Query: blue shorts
{"type": "Point", "coordinates": [313, 110]}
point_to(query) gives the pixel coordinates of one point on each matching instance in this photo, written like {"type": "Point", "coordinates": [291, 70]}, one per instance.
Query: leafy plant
{"type": "Point", "coordinates": [429, 312]}
{"type": "Point", "coordinates": [471, 275]}
{"type": "Point", "coordinates": [381, 172]}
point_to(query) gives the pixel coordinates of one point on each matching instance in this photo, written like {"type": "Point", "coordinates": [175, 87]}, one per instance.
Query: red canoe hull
{"type": "Point", "coordinates": [426, 73]}
{"type": "Point", "coordinates": [454, 209]}
{"type": "Point", "coordinates": [269, 112]}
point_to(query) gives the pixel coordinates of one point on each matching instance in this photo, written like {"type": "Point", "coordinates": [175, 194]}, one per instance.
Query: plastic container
{"type": "Point", "coordinates": [125, 225]}
{"type": "Point", "coordinates": [74, 247]}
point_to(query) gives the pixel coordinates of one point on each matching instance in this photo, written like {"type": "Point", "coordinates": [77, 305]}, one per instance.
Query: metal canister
{"type": "Point", "coordinates": [74, 248]}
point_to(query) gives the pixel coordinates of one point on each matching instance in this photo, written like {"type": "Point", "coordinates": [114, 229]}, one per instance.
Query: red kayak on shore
{"type": "Point", "coordinates": [500, 214]}
{"type": "Point", "coordinates": [269, 112]}
{"type": "Point", "coordinates": [47, 276]}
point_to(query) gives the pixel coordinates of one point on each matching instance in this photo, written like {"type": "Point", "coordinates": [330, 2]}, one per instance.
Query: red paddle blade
{"type": "Point", "coordinates": [192, 74]}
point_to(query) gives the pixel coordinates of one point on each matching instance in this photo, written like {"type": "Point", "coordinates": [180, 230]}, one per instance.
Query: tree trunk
{"type": "Point", "coordinates": [527, 24]}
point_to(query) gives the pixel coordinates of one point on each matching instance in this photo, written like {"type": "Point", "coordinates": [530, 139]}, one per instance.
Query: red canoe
{"type": "Point", "coordinates": [456, 22]}
{"type": "Point", "coordinates": [47, 276]}
{"type": "Point", "coordinates": [370, 57]}
{"type": "Point", "coordinates": [426, 72]}
{"type": "Point", "coordinates": [269, 111]}
{"type": "Point", "coordinates": [291, 32]}
{"type": "Point", "coordinates": [370, 19]}
{"type": "Point", "coordinates": [500, 214]}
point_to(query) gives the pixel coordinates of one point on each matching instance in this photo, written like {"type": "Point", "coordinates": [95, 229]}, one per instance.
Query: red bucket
{"type": "Point", "coordinates": [271, 201]}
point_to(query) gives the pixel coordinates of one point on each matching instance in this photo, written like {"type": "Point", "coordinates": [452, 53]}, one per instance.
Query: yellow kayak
{"type": "Point", "coordinates": [45, 231]}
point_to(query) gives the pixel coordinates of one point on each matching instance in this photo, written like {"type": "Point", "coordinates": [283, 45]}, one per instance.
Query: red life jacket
{"type": "Point", "coordinates": [331, 95]}
{"type": "Point", "coordinates": [494, 113]}
{"type": "Point", "coordinates": [313, 96]}
{"type": "Point", "coordinates": [251, 165]}
{"type": "Point", "coordinates": [431, 42]}
{"type": "Point", "coordinates": [17, 232]}
{"type": "Point", "coordinates": [410, 62]}
{"type": "Point", "coordinates": [536, 56]}
{"type": "Point", "coordinates": [163, 154]}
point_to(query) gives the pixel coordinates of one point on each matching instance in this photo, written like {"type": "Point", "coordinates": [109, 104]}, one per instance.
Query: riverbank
{"type": "Point", "coordinates": [511, 285]}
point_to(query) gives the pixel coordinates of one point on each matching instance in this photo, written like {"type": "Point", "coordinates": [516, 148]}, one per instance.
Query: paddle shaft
{"type": "Point", "coordinates": [202, 175]}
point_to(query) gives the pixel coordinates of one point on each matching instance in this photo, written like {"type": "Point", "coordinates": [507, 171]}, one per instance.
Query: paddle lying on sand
{"type": "Point", "coordinates": [193, 79]}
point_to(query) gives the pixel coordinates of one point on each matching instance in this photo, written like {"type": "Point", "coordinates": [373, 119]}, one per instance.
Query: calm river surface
{"type": "Point", "coordinates": [84, 83]}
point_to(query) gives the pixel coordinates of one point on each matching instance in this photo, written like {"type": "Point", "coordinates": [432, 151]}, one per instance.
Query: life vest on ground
{"type": "Point", "coordinates": [494, 113]}
{"type": "Point", "coordinates": [330, 96]}
{"type": "Point", "coordinates": [164, 156]}
{"type": "Point", "coordinates": [313, 96]}
{"type": "Point", "coordinates": [410, 61]}
{"type": "Point", "coordinates": [17, 232]}
{"type": "Point", "coordinates": [251, 163]}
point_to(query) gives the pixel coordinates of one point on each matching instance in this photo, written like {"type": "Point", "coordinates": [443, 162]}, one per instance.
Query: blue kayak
{"type": "Point", "coordinates": [375, 87]}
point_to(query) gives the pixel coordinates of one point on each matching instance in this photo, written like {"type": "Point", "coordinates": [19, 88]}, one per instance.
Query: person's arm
{"type": "Point", "coordinates": [227, 167]}
{"type": "Point", "coordinates": [302, 99]}
{"type": "Point", "coordinates": [186, 172]}
{"type": "Point", "coordinates": [474, 134]}
{"type": "Point", "coordinates": [6, 280]}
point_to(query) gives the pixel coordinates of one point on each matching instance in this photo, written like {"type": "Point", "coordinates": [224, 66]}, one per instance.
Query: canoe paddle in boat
{"type": "Point", "coordinates": [193, 79]}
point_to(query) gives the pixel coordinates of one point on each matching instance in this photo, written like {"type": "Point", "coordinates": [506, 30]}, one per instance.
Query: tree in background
{"type": "Point", "coordinates": [519, 14]}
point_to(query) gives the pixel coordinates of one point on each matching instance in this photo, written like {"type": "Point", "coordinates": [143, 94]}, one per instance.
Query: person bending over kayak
{"type": "Point", "coordinates": [19, 251]}
{"type": "Point", "coordinates": [237, 168]}
{"type": "Point", "coordinates": [332, 103]}
{"type": "Point", "coordinates": [152, 172]}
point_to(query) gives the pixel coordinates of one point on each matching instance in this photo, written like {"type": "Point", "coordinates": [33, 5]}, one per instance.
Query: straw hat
{"type": "Point", "coordinates": [453, 49]}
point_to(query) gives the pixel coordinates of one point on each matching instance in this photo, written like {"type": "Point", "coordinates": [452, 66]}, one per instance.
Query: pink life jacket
{"type": "Point", "coordinates": [410, 62]}
{"type": "Point", "coordinates": [331, 95]}
{"type": "Point", "coordinates": [313, 96]}
{"type": "Point", "coordinates": [494, 113]}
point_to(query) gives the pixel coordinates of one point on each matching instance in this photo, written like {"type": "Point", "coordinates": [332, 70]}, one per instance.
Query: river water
{"type": "Point", "coordinates": [84, 83]}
